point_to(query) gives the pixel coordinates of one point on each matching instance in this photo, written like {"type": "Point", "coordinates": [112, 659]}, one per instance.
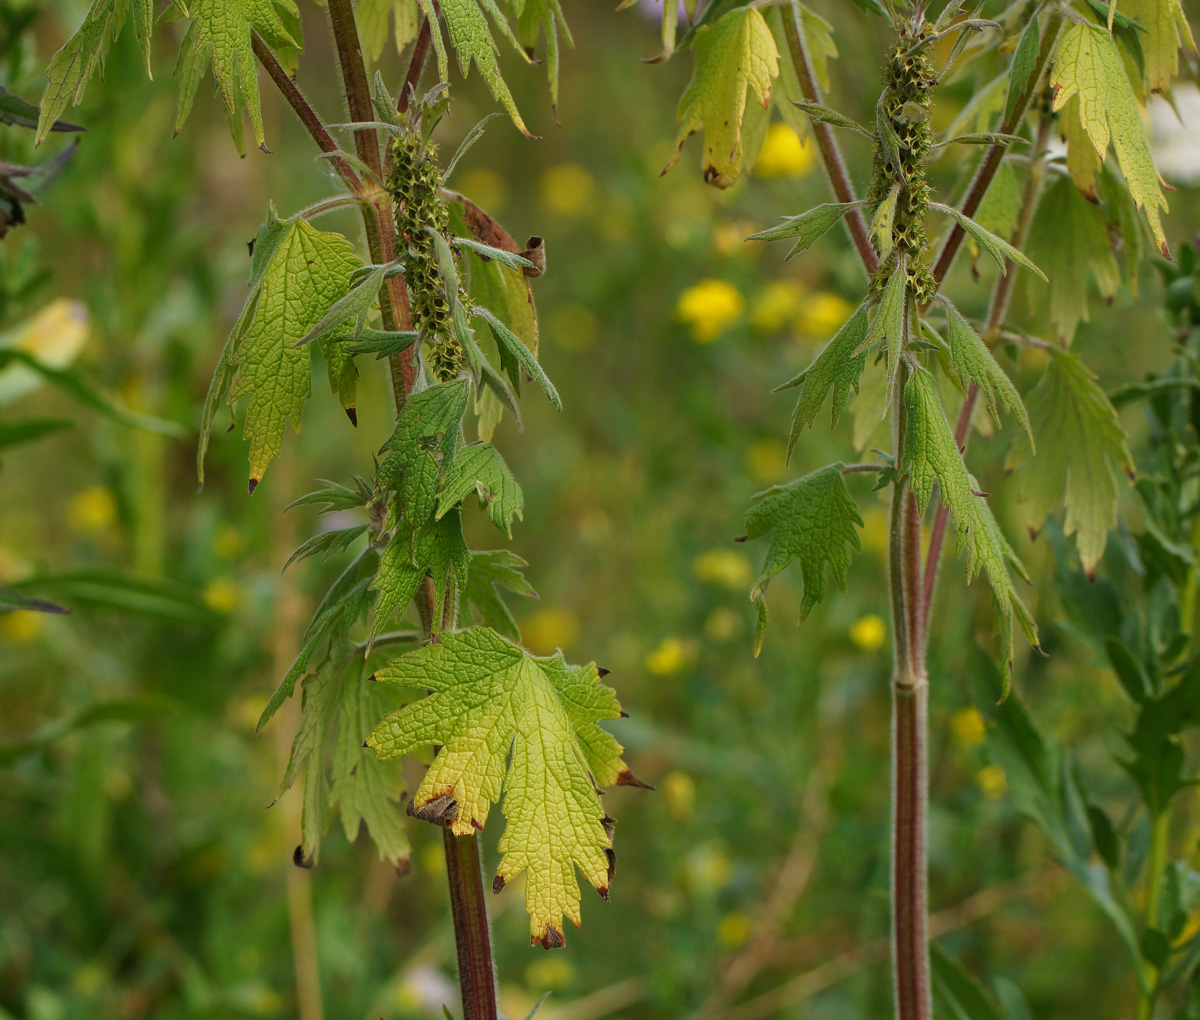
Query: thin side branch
{"type": "Point", "coordinates": [413, 78]}
{"type": "Point", "coordinates": [831, 154]}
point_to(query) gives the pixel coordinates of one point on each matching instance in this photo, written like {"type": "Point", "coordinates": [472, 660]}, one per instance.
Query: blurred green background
{"type": "Point", "coordinates": [141, 872]}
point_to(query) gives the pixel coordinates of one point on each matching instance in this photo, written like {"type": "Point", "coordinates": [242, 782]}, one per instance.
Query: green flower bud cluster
{"type": "Point", "coordinates": [900, 159]}
{"type": "Point", "coordinates": [414, 183]}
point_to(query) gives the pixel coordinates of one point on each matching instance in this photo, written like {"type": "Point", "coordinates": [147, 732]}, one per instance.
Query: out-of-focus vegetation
{"type": "Point", "coordinates": [141, 871]}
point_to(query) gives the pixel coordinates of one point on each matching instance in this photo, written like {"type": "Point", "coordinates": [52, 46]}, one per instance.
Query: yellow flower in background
{"type": "Point", "coordinates": [723, 624]}
{"type": "Point", "coordinates": [567, 189]}
{"type": "Point", "coordinates": [822, 314]}
{"type": "Point", "coordinates": [992, 781]}
{"type": "Point", "coordinates": [222, 594]}
{"type": "Point", "coordinates": [784, 154]}
{"type": "Point", "coordinates": [868, 632]}
{"type": "Point", "coordinates": [875, 529]}
{"type": "Point", "coordinates": [710, 307]}
{"type": "Point", "coordinates": [968, 728]}
{"type": "Point", "coordinates": [20, 626]}
{"type": "Point", "coordinates": [729, 238]}
{"type": "Point", "coordinates": [670, 657]}
{"type": "Point", "coordinates": [227, 542]}
{"type": "Point", "coordinates": [550, 629]}
{"type": "Point", "coordinates": [707, 869]}
{"type": "Point", "coordinates": [726, 567]}
{"type": "Point", "coordinates": [574, 327]}
{"type": "Point", "coordinates": [92, 511]}
{"type": "Point", "coordinates": [733, 929]}
{"type": "Point", "coordinates": [54, 336]}
{"type": "Point", "coordinates": [549, 972]}
{"type": "Point", "coordinates": [486, 188]}
{"type": "Point", "coordinates": [777, 305]}
{"type": "Point", "coordinates": [766, 460]}
{"type": "Point", "coordinates": [680, 794]}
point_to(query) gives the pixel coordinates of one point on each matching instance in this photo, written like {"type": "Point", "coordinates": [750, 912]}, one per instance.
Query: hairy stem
{"type": "Point", "coordinates": [995, 155]}
{"type": "Point", "coordinates": [831, 154]}
{"type": "Point", "coordinates": [471, 935]}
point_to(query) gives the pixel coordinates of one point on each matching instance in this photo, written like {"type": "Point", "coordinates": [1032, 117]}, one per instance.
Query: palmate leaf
{"type": "Point", "coordinates": [546, 17]}
{"type": "Point", "coordinates": [734, 54]}
{"type": "Point", "coordinates": [72, 67]}
{"type": "Point", "coordinates": [1089, 69]}
{"type": "Point", "coordinates": [931, 455]}
{"type": "Point", "coordinates": [1071, 234]}
{"type": "Point", "coordinates": [813, 521]}
{"type": "Point", "coordinates": [300, 272]}
{"type": "Point", "coordinates": [839, 366]}
{"type": "Point", "coordinates": [526, 726]}
{"type": "Point", "coordinates": [372, 18]}
{"type": "Point", "coordinates": [491, 571]}
{"type": "Point", "coordinates": [1081, 442]}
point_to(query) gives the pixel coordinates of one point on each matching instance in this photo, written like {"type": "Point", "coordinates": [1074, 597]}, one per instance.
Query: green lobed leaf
{"type": "Point", "coordinates": [974, 363]}
{"type": "Point", "coordinates": [509, 342]}
{"type": "Point", "coordinates": [1071, 234]}
{"type": "Point", "coordinates": [72, 67]}
{"type": "Point", "coordinates": [888, 326]}
{"type": "Point", "coordinates": [372, 19]}
{"type": "Point", "coordinates": [546, 17]}
{"type": "Point", "coordinates": [525, 726]}
{"type": "Point", "coordinates": [998, 248]}
{"type": "Point", "coordinates": [437, 550]}
{"type": "Point", "coordinates": [1024, 61]}
{"type": "Point", "coordinates": [839, 365]}
{"type": "Point", "coordinates": [734, 54]}
{"type": "Point", "coordinates": [306, 271]}
{"type": "Point", "coordinates": [930, 455]}
{"type": "Point", "coordinates": [807, 227]}
{"type": "Point", "coordinates": [491, 571]}
{"type": "Point", "coordinates": [813, 521]}
{"type": "Point", "coordinates": [479, 468]}
{"type": "Point", "coordinates": [1081, 441]}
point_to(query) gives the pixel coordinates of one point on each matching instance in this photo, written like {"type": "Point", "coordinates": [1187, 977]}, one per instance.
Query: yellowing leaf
{"type": "Point", "coordinates": [733, 55]}
{"type": "Point", "coordinates": [546, 16]}
{"type": "Point", "coordinates": [305, 272]}
{"type": "Point", "coordinates": [372, 18]}
{"type": "Point", "coordinates": [525, 726]}
{"type": "Point", "coordinates": [1089, 65]}
{"type": "Point", "coordinates": [813, 520]}
{"type": "Point", "coordinates": [1080, 441]}
{"type": "Point", "coordinates": [1167, 29]}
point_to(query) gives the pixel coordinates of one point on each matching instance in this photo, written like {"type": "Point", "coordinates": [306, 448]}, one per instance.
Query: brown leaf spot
{"type": "Point", "coordinates": [627, 778]}
{"type": "Point", "coordinates": [300, 860]}
{"type": "Point", "coordinates": [498, 883]}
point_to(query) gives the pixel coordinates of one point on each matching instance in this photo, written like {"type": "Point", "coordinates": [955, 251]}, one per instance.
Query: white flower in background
{"type": "Point", "coordinates": [54, 336]}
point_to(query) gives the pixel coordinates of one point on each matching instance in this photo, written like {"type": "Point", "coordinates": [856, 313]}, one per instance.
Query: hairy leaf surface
{"type": "Point", "coordinates": [526, 726]}
{"type": "Point", "coordinates": [813, 521]}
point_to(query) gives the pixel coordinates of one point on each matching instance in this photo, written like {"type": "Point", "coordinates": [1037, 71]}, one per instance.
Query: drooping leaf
{"type": "Point", "coordinates": [839, 365]}
{"type": "Point", "coordinates": [807, 228]}
{"type": "Point", "coordinates": [526, 726]}
{"type": "Point", "coordinates": [1071, 234]}
{"type": "Point", "coordinates": [546, 17]}
{"type": "Point", "coordinates": [813, 521]}
{"type": "Point", "coordinates": [1167, 28]}
{"type": "Point", "coordinates": [512, 344]}
{"type": "Point", "coordinates": [492, 570]}
{"type": "Point", "coordinates": [327, 543]}
{"type": "Point", "coordinates": [931, 455]}
{"type": "Point", "coordinates": [72, 67]}
{"type": "Point", "coordinates": [1088, 65]}
{"type": "Point", "coordinates": [974, 363]}
{"type": "Point", "coordinates": [733, 55]}
{"type": "Point", "coordinates": [1080, 441]}
{"type": "Point", "coordinates": [372, 18]}
{"type": "Point", "coordinates": [479, 468]}
{"type": "Point", "coordinates": [887, 327]}
{"type": "Point", "coordinates": [471, 38]}
{"type": "Point", "coordinates": [306, 271]}
{"type": "Point", "coordinates": [223, 28]}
